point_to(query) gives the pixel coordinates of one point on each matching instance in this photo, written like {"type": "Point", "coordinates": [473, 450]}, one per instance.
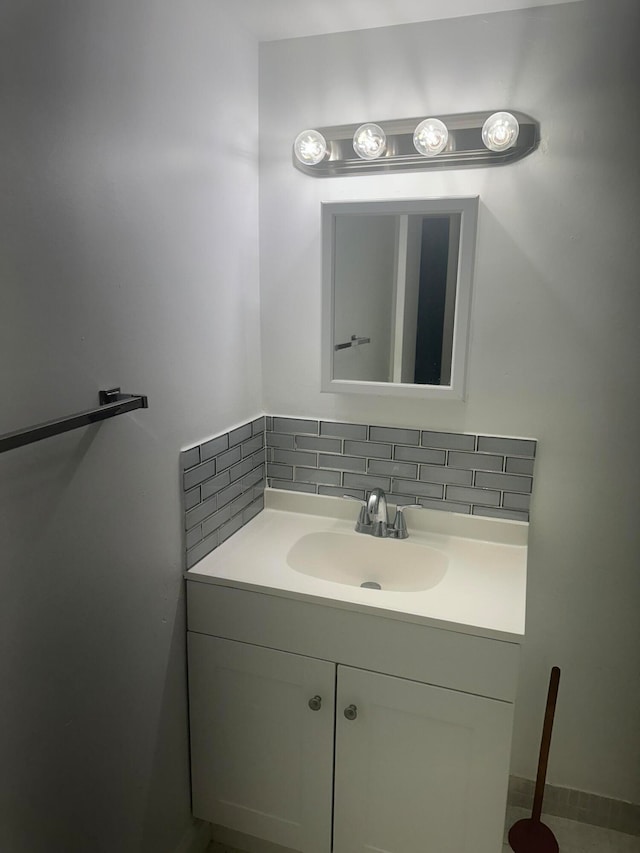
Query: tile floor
{"type": "Point", "coordinates": [572, 837]}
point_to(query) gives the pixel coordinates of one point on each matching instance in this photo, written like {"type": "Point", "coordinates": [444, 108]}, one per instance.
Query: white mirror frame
{"type": "Point", "coordinates": [467, 207]}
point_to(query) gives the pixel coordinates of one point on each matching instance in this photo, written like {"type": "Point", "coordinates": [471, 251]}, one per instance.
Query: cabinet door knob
{"type": "Point", "coordinates": [315, 703]}
{"type": "Point", "coordinates": [351, 712]}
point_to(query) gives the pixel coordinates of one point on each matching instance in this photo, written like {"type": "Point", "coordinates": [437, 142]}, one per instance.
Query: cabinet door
{"type": "Point", "coordinates": [420, 769]}
{"type": "Point", "coordinates": [261, 758]}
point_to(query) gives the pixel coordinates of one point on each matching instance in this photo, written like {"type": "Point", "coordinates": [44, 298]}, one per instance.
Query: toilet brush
{"type": "Point", "coordinates": [530, 835]}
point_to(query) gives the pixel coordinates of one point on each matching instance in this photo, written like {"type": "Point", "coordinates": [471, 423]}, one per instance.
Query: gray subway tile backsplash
{"type": "Point", "coordinates": [448, 440]}
{"type": "Point", "coordinates": [516, 465]}
{"type": "Point", "coordinates": [511, 446]}
{"type": "Point", "coordinates": [225, 490]}
{"type": "Point", "coordinates": [295, 425]}
{"type": "Point", "coordinates": [449, 471]}
{"type": "Point", "coordinates": [224, 478]}
{"type": "Point", "coordinates": [393, 468]}
{"type": "Point", "coordinates": [394, 435]}
{"type": "Point", "coordinates": [426, 455]}
{"type": "Point", "coordinates": [477, 461]}
{"type": "Point", "coordinates": [505, 482]}
{"type": "Point", "coordinates": [369, 449]}
{"type": "Point", "coordinates": [483, 497]}
{"type": "Point", "coordinates": [321, 443]}
{"type": "Point", "coordinates": [213, 447]}
{"type": "Point", "coordinates": [342, 430]}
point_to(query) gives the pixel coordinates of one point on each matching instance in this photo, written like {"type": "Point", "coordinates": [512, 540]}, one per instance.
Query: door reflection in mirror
{"type": "Point", "coordinates": [395, 283]}
{"type": "Point", "coordinates": [397, 295]}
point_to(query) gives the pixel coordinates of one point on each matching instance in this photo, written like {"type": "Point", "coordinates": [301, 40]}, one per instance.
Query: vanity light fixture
{"type": "Point", "coordinates": [461, 140]}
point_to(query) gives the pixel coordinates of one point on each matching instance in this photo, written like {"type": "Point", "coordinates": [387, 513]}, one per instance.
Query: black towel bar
{"type": "Point", "coordinates": [112, 403]}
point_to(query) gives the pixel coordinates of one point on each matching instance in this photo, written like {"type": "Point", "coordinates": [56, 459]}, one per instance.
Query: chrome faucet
{"type": "Point", "coordinates": [378, 512]}
{"type": "Point", "coordinates": [374, 517]}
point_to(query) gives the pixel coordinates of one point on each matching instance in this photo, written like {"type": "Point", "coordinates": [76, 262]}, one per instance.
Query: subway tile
{"type": "Point", "coordinates": [401, 500]}
{"type": "Point", "coordinates": [369, 449]}
{"type": "Point", "coordinates": [226, 460]}
{"type": "Point", "coordinates": [438, 474]}
{"type": "Point", "coordinates": [258, 426]}
{"type": "Point", "coordinates": [342, 463]}
{"type": "Point", "coordinates": [448, 440]}
{"type": "Point", "coordinates": [278, 439]}
{"type": "Point", "coordinates": [241, 502]}
{"type": "Point", "coordinates": [394, 434]}
{"type": "Point", "coordinates": [193, 536]}
{"type": "Point", "coordinates": [341, 491]}
{"type": "Point", "coordinates": [216, 520]}
{"type": "Point", "coordinates": [212, 448]}
{"type": "Point", "coordinates": [242, 433]}
{"type": "Point", "coordinates": [289, 486]}
{"type": "Point", "coordinates": [227, 495]}
{"type": "Point", "coordinates": [198, 475]}
{"type": "Point", "coordinates": [241, 469]}
{"type": "Point", "coordinates": [253, 509]}
{"type": "Point", "coordinates": [230, 528]}
{"type": "Point", "coordinates": [295, 457]}
{"type": "Point", "coordinates": [367, 482]}
{"type": "Point", "coordinates": [189, 458]}
{"type": "Point", "coordinates": [515, 501]}
{"type": "Point", "coordinates": [195, 554]}
{"type": "Point", "coordinates": [497, 512]}
{"type": "Point", "coordinates": [509, 446]}
{"type": "Point", "coordinates": [252, 445]}
{"type": "Point", "coordinates": [445, 506]}
{"type": "Point", "coordinates": [268, 422]}
{"type": "Point", "coordinates": [253, 477]}
{"type": "Point", "coordinates": [258, 458]}
{"type": "Point", "coordinates": [419, 454]}
{"type": "Point", "coordinates": [505, 482]}
{"type": "Point", "coordinates": [312, 442]}
{"type": "Point", "coordinates": [420, 490]}
{"type": "Point", "coordinates": [192, 498]}
{"type": "Point", "coordinates": [393, 469]}
{"type": "Point", "coordinates": [282, 472]}
{"type": "Point", "coordinates": [200, 512]}
{"type": "Point", "coordinates": [485, 497]}
{"type": "Point", "coordinates": [315, 475]}
{"type": "Point", "coordinates": [212, 486]}
{"type": "Point", "coordinates": [295, 425]}
{"type": "Point", "coordinates": [515, 465]}
{"type": "Point", "coordinates": [343, 430]}
{"type": "Point", "coordinates": [477, 461]}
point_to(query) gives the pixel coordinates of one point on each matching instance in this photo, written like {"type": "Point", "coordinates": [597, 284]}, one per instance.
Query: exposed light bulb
{"type": "Point", "coordinates": [369, 141]}
{"type": "Point", "coordinates": [310, 147]}
{"type": "Point", "coordinates": [430, 137]}
{"type": "Point", "coordinates": [500, 131]}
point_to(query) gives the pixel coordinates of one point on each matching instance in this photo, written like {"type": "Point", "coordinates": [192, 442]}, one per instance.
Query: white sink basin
{"type": "Point", "coordinates": [357, 559]}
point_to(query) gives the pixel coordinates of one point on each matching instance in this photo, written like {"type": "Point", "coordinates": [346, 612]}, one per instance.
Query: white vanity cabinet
{"type": "Point", "coordinates": [322, 728]}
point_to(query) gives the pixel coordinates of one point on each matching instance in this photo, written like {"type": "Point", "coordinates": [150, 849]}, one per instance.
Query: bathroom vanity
{"type": "Point", "coordinates": [326, 716]}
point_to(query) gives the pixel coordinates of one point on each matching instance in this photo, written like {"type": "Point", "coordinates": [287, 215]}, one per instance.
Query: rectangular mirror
{"type": "Point", "coordinates": [396, 297]}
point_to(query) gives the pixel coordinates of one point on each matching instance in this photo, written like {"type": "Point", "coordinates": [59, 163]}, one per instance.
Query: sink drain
{"type": "Point", "coordinates": [370, 585]}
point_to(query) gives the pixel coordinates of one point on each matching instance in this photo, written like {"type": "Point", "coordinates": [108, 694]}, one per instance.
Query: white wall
{"type": "Point", "coordinates": [128, 256]}
{"type": "Point", "coordinates": [554, 349]}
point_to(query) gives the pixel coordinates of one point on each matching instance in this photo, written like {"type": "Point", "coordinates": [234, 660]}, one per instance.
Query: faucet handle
{"type": "Point", "coordinates": [399, 523]}
{"type": "Point", "coordinates": [363, 524]}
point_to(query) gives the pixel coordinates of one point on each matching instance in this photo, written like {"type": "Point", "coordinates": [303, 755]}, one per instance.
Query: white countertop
{"type": "Point", "coordinates": [483, 591]}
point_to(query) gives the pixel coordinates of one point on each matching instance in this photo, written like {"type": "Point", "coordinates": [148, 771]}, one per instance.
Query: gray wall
{"type": "Point", "coordinates": [128, 256]}
{"type": "Point", "coordinates": [554, 342]}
